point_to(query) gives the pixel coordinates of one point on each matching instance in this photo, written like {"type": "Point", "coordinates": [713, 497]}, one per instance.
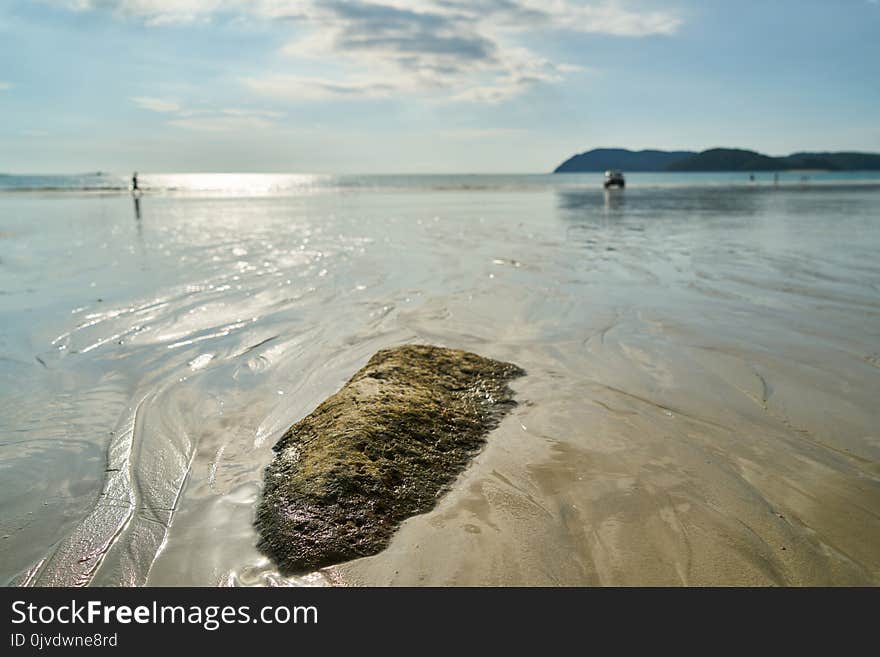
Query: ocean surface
{"type": "Point", "coordinates": [703, 358]}
{"type": "Point", "coordinates": [275, 184]}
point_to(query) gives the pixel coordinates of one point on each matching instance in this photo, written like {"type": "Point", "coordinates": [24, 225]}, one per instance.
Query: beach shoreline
{"type": "Point", "coordinates": [698, 408]}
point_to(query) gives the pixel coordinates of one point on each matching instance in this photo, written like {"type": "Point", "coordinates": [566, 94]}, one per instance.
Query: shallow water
{"type": "Point", "coordinates": [703, 363]}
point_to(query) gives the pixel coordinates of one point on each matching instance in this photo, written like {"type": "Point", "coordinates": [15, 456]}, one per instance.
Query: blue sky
{"type": "Point", "coordinates": [426, 85]}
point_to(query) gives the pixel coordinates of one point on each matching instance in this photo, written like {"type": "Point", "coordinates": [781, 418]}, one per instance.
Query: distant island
{"type": "Point", "coordinates": [715, 159]}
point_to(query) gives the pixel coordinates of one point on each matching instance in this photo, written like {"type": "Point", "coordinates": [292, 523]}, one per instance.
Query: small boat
{"type": "Point", "coordinates": [614, 179]}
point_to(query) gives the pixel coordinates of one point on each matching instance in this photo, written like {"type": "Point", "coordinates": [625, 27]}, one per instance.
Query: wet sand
{"type": "Point", "coordinates": [700, 405]}
{"type": "Point", "coordinates": [729, 476]}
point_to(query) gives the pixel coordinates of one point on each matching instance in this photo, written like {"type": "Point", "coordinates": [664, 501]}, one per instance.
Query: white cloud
{"type": "Point", "coordinates": [298, 87]}
{"type": "Point", "coordinates": [465, 50]}
{"type": "Point", "coordinates": [610, 18]}
{"type": "Point", "coordinates": [599, 16]}
{"type": "Point", "coordinates": [158, 12]}
{"type": "Point", "coordinates": [156, 104]}
{"type": "Point", "coordinates": [266, 114]}
{"type": "Point", "coordinates": [209, 120]}
{"type": "Point", "coordinates": [222, 123]}
{"type": "Point", "coordinates": [4, 86]}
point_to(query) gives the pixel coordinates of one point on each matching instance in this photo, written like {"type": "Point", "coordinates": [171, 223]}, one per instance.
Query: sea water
{"type": "Point", "coordinates": [703, 357]}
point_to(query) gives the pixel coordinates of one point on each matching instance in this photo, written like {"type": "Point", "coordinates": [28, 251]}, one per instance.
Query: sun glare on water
{"type": "Point", "coordinates": [234, 183]}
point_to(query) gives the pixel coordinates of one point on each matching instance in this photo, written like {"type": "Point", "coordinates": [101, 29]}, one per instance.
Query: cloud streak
{"type": "Point", "coordinates": [156, 104]}
{"type": "Point", "coordinates": [158, 12]}
{"type": "Point", "coordinates": [298, 87]}
{"type": "Point", "coordinates": [209, 120]}
{"type": "Point", "coordinates": [222, 123]}
{"type": "Point", "coordinates": [455, 50]}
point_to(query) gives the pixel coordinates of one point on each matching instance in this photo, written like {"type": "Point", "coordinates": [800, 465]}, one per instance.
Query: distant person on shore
{"type": "Point", "coordinates": [751, 177]}
{"type": "Point", "coordinates": [134, 182]}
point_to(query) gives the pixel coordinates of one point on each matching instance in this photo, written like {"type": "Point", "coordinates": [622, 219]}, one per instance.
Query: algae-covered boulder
{"type": "Point", "coordinates": [383, 448]}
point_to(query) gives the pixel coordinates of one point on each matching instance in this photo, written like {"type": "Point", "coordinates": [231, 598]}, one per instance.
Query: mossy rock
{"type": "Point", "coordinates": [383, 448]}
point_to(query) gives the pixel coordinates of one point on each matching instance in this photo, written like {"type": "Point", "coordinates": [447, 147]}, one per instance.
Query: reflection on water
{"type": "Point", "coordinates": [615, 200]}
{"type": "Point", "coordinates": [683, 203]}
{"type": "Point", "coordinates": [701, 365]}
